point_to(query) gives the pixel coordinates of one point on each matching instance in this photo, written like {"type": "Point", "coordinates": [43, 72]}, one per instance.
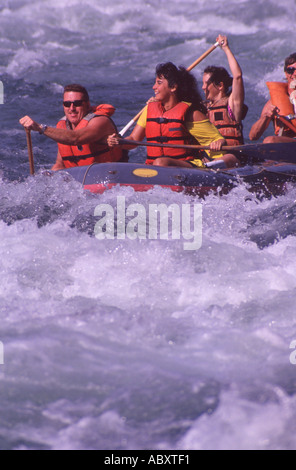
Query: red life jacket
{"type": "Point", "coordinates": [229, 128]}
{"type": "Point", "coordinates": [87, 154]}
{"type": "Point", "coordinates": [280, 97]}
{"type": "Point", "coordinates": [168, 127]}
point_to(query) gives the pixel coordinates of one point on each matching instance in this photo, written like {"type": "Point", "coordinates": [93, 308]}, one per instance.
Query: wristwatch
{"type": "Point", "coordinates": [43, 128]}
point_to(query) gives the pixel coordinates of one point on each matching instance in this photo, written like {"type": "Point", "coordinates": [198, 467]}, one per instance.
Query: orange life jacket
{"type": "Point", "coordinates": [280, 97]}
{"type": "Point", "coordinates": [87, 154]}
{"type": "Point", "coordinates": [168, 127]}
{"type": "Point", "coordinates": [229, 128]}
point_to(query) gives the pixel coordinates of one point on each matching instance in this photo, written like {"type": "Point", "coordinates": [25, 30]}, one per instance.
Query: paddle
{"type": "Point", "coordinates": [30, 151]}
{"type": "Point", "coordinates": [275, 152]}
{"type": "Point", "coordinates": [194, 64]}
{"type": "Point", "coordinates": [153, 144]}
{"type": "Point", "coordinates": [228, 148]}
{"type": "Point", "coordinates": [287, 123]}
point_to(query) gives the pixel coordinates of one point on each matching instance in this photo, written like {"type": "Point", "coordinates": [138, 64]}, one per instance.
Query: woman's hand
{"type": "Point", "coordinates": [217, 145]}
{"type": "Point", "coordinates": [222, 40]}
{"type": "Point", "coordinates": [113, 140]}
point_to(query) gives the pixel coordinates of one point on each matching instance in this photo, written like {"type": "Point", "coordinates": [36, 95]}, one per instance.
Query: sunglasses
{"type": "Point", "coordinates": [290, 70]}
{"type": "Point", "coordinates": [76, 103]}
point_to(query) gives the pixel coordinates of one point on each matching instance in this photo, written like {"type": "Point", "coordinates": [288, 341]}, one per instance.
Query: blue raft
{"type": "Point", "coordinates": [265, 168]}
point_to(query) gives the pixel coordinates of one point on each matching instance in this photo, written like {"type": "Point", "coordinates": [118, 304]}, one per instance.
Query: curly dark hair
{"type": "Point", "coordinates": [218, 75]}
{"type": "Point", "coordinates": [187, 88]}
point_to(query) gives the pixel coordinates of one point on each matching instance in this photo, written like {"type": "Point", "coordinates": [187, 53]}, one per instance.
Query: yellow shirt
{"type": "Point", "coordinates": [203, 131]}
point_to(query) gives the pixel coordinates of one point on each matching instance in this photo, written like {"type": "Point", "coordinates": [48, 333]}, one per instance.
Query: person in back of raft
{"type": "Point", "coordinates": [82, 133]}
{"type": "Point", "coordinates": [282, 101]}
{"type": "Point", "coordinates": [176, 115]}
{"type": "Point", "coordinates": [225, 97]}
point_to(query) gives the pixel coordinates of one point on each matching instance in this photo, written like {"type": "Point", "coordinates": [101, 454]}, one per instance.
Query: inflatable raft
{"type": "Point", "coordinates": [266, 168]}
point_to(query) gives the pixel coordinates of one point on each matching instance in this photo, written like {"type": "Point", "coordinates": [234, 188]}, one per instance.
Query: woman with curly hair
{"type": "Point", "coordinates": [176, 115]}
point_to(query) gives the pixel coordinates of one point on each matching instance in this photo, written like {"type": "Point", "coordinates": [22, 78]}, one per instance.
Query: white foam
{"type": "Point", "coordinates": [239, 424]}
{"type": "Point", "coordinates": [139, 344]}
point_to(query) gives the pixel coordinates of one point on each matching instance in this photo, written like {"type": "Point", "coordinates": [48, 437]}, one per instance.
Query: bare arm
{"type": "Point", "coordinates": [260, 126]}
{"type": "Point", "coordinates": [98, 129]}
{"type": "Point", "coordinates": [137, 135]}
{"type": "Point", "coordinates": [237, 97]}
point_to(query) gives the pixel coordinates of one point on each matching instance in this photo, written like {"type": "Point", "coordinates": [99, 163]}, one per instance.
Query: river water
{"type": "Point", "coordinates": [139, 344]}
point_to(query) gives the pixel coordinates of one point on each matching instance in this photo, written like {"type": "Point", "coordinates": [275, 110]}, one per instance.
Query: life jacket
{"type": "Point", "coordinates": [280, 97]}
{"type": "Point", "coordinates": [87, 154]}
{"type": "Point", "coordinates": [168, 127]}
{"type": "Point", "coordinates": [229, 128]}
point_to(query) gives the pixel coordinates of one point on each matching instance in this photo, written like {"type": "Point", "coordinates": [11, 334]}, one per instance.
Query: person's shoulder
{"type": "Point", "coordinates": [196, 115]}
{"type": "Point", "coordinates": [99, 120]}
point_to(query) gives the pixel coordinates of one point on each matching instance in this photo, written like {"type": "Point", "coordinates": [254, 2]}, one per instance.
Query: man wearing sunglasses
{"type": "Point", "coordinates": [81, 134]}
{"type": "Point", "coordinates": [270, 111]}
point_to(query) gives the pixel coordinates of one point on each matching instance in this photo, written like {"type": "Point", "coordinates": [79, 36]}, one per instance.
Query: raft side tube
{"type": "Point", "coordinates": [268, 163]}
{"type": "Point", "coordinates": [135, 174]}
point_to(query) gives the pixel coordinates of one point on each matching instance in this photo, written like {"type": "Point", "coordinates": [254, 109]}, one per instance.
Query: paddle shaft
{"type": "Point", "coordinates": [174, 146]}
{"type": "Point", "coordinates": [194, 64]}
{"type": "Point", "coordinates": [203, 56]}
{"type": "Point", "coordinates": [30, 151]}
{"type": "Point", "coordinates": [258, 152]}
{"type": "Point", "coordinates": [281, 118]}
{"type": "Point", "coordinates": [286, 122]}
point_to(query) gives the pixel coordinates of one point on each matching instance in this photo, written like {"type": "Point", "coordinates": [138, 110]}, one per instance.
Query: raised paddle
{"type": "Point", "coordinates": [203, 56]}
{"type": "Point", "coordinates": [30, 151]}
{"type": "Point", "coordinates": [194, 64]}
